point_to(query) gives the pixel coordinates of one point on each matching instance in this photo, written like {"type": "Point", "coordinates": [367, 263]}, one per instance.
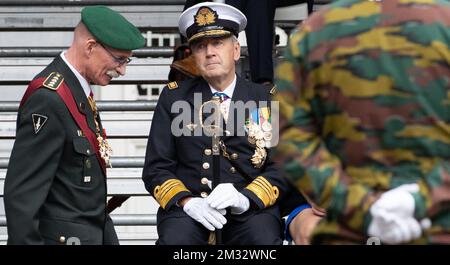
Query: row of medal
{"type": "Point", "coordinates": [103, 145]}
{"type": "Point", "coordinates": [259, 131]}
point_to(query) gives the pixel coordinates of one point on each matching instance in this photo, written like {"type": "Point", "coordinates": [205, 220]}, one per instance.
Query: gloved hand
{"type": "Point", "coordinates": [392, 229]}
{"type": "Point", "coordinates": [393, 219]}
{"type": "Point", "coordinates": [225, 195]}
{"type": "Point", "coordinates": [200, 211]}
{"type": "Point", "coordinates": [399, 200]}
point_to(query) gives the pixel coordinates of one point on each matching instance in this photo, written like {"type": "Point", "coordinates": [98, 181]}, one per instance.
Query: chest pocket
{"type": "Point", "coordinates": [82, 146]}
{"type": "Point", "coordinates": [90, 166]}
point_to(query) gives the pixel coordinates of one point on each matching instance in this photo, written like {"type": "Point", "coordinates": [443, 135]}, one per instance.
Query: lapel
{"type": "Point", "coordinates": [77, 91]}
{"type": "Point", "coordinates": [201, 88]}
{"type": "Point", "coordinates": [241, 93]}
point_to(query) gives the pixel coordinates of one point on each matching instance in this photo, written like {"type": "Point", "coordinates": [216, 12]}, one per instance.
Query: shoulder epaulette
{"type": "Point", "coordinates": [172, 85]}
{"type": "Point", "coordinates": [53, 81]}
{"type": "Point", "coordinates": [273, 90]}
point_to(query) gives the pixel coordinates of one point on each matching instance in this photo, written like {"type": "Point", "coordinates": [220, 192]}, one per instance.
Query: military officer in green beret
{"type": "Point", "coordinates": [55, 186]}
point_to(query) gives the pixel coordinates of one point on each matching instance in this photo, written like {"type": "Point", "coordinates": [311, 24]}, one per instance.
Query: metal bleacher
{"type": "Point", "coordinates": [33, 32]}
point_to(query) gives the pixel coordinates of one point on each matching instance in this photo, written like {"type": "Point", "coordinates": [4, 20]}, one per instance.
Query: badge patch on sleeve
{"type": "Point", "coordinates": [38, 122]}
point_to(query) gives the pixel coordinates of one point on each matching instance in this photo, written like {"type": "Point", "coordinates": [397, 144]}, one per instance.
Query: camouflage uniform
{"type": "Point", "coordinates": [364, 99]}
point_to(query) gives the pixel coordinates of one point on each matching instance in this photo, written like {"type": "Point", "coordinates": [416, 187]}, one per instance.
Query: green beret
{"type": "Point", "coordinates": [111, 28]}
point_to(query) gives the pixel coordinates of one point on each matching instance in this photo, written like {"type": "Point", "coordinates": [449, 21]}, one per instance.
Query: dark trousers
{"type": "Point", "coordinates": [259, 228]}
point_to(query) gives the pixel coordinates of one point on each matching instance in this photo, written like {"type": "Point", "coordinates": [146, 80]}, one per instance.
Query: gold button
{"type": "Point", "coordinates": [62, 239]}
{"type": "Point", "coordinates": [205, 165]}
{"type": "Point", "coordinates": [204, 181]}
{"type": "Point", "coordinates": [88, 152]}
{"type": "Point", "coordinates": [208, 152]}
{"type": "Point", "coordinates": [88, 163]}
{"type": "Point", "coordinates": [232, 170]}
{"type": "Point", "coordinates": [204, 194]}
{"type": "Point", "coordinates": [234, 156]}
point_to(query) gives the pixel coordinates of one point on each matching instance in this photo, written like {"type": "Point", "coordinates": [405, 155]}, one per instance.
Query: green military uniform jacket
{"type": "Point", "coordinates": [55, 187]}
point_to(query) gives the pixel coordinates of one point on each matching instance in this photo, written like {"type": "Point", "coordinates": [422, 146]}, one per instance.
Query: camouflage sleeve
{"type": "Point", "coordinates": [267, 187]}
{"type": "Point", "coordinates": [305, 159]}
{"type": "Point", "coordinates": [301, 153]}
{"type": "Point", "coordinates": [315, 171]}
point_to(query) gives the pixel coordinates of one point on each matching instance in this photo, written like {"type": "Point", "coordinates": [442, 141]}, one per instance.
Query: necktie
{"type": "Point", "coordinates": [224, 104]}
{"type": "Point", "coordinates": [223, 97]}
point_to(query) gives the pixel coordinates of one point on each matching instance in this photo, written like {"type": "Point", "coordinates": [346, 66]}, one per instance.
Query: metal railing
{"type": "Point", "coordinates": [134, 219]}
{"type": "Point", "coordinates": [63, 15]}
{"type": "Point", "coordinates": [88, 2]}
{"type": "Point", "coordinates": [106, 105]}
{"type": "Point", "coordinates": [105, 2]}
{"type": "Point", "coordinates": [119, 219]}
{"type": "Point", "coordinates": [154, 52]}
{"type": "Point", "coordinates": [165, 52]}
{"type": "Point", "coordinates": [117, 162]}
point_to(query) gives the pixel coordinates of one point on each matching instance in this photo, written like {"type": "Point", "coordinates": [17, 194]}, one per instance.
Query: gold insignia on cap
{"type": "Point", "coordinates": [172, 85]}
{"type": "Point", "coordinates": [53, 81]}
{"type": "Point", "coordinates": [164, 193]}
{"type": "Point", "coordinates": [262, 188]}
{"type": "Point", "coordinates": [205, 16]}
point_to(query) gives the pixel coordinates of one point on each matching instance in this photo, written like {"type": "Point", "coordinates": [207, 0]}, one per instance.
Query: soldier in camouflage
{"type": "Point", "coordinates": [365, 123]}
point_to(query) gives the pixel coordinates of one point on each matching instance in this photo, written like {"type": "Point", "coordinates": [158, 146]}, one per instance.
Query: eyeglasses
{"type": "Point", "coordinates": [120, 60]}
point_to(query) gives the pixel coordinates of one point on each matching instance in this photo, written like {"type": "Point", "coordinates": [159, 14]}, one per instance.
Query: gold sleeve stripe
{"type": "Point", "coordinates": [165, 192]}
{"type": "Point", "coordinates": [264, 183]}
{"type": "Point", "coordinates": [167, 186]}
{"type": "Point", "coordinates": [167, 189]}
{"type": "Point", "coordinates": [262, 188]}
{"type": "Point", "coordinates": [272, 191]}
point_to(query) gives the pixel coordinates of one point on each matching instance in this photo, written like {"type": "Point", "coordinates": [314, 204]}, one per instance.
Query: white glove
{"type": "Point", "coordinates": [392, 229]}
{"type": "Point", "coordinates": [200, 211]}
{"type": "Point", "coordinates": [393, 219]}
{"type": "Point", "coordinates": [225, 195]}
{"type": "Point", "coordinates": [399, 201]}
